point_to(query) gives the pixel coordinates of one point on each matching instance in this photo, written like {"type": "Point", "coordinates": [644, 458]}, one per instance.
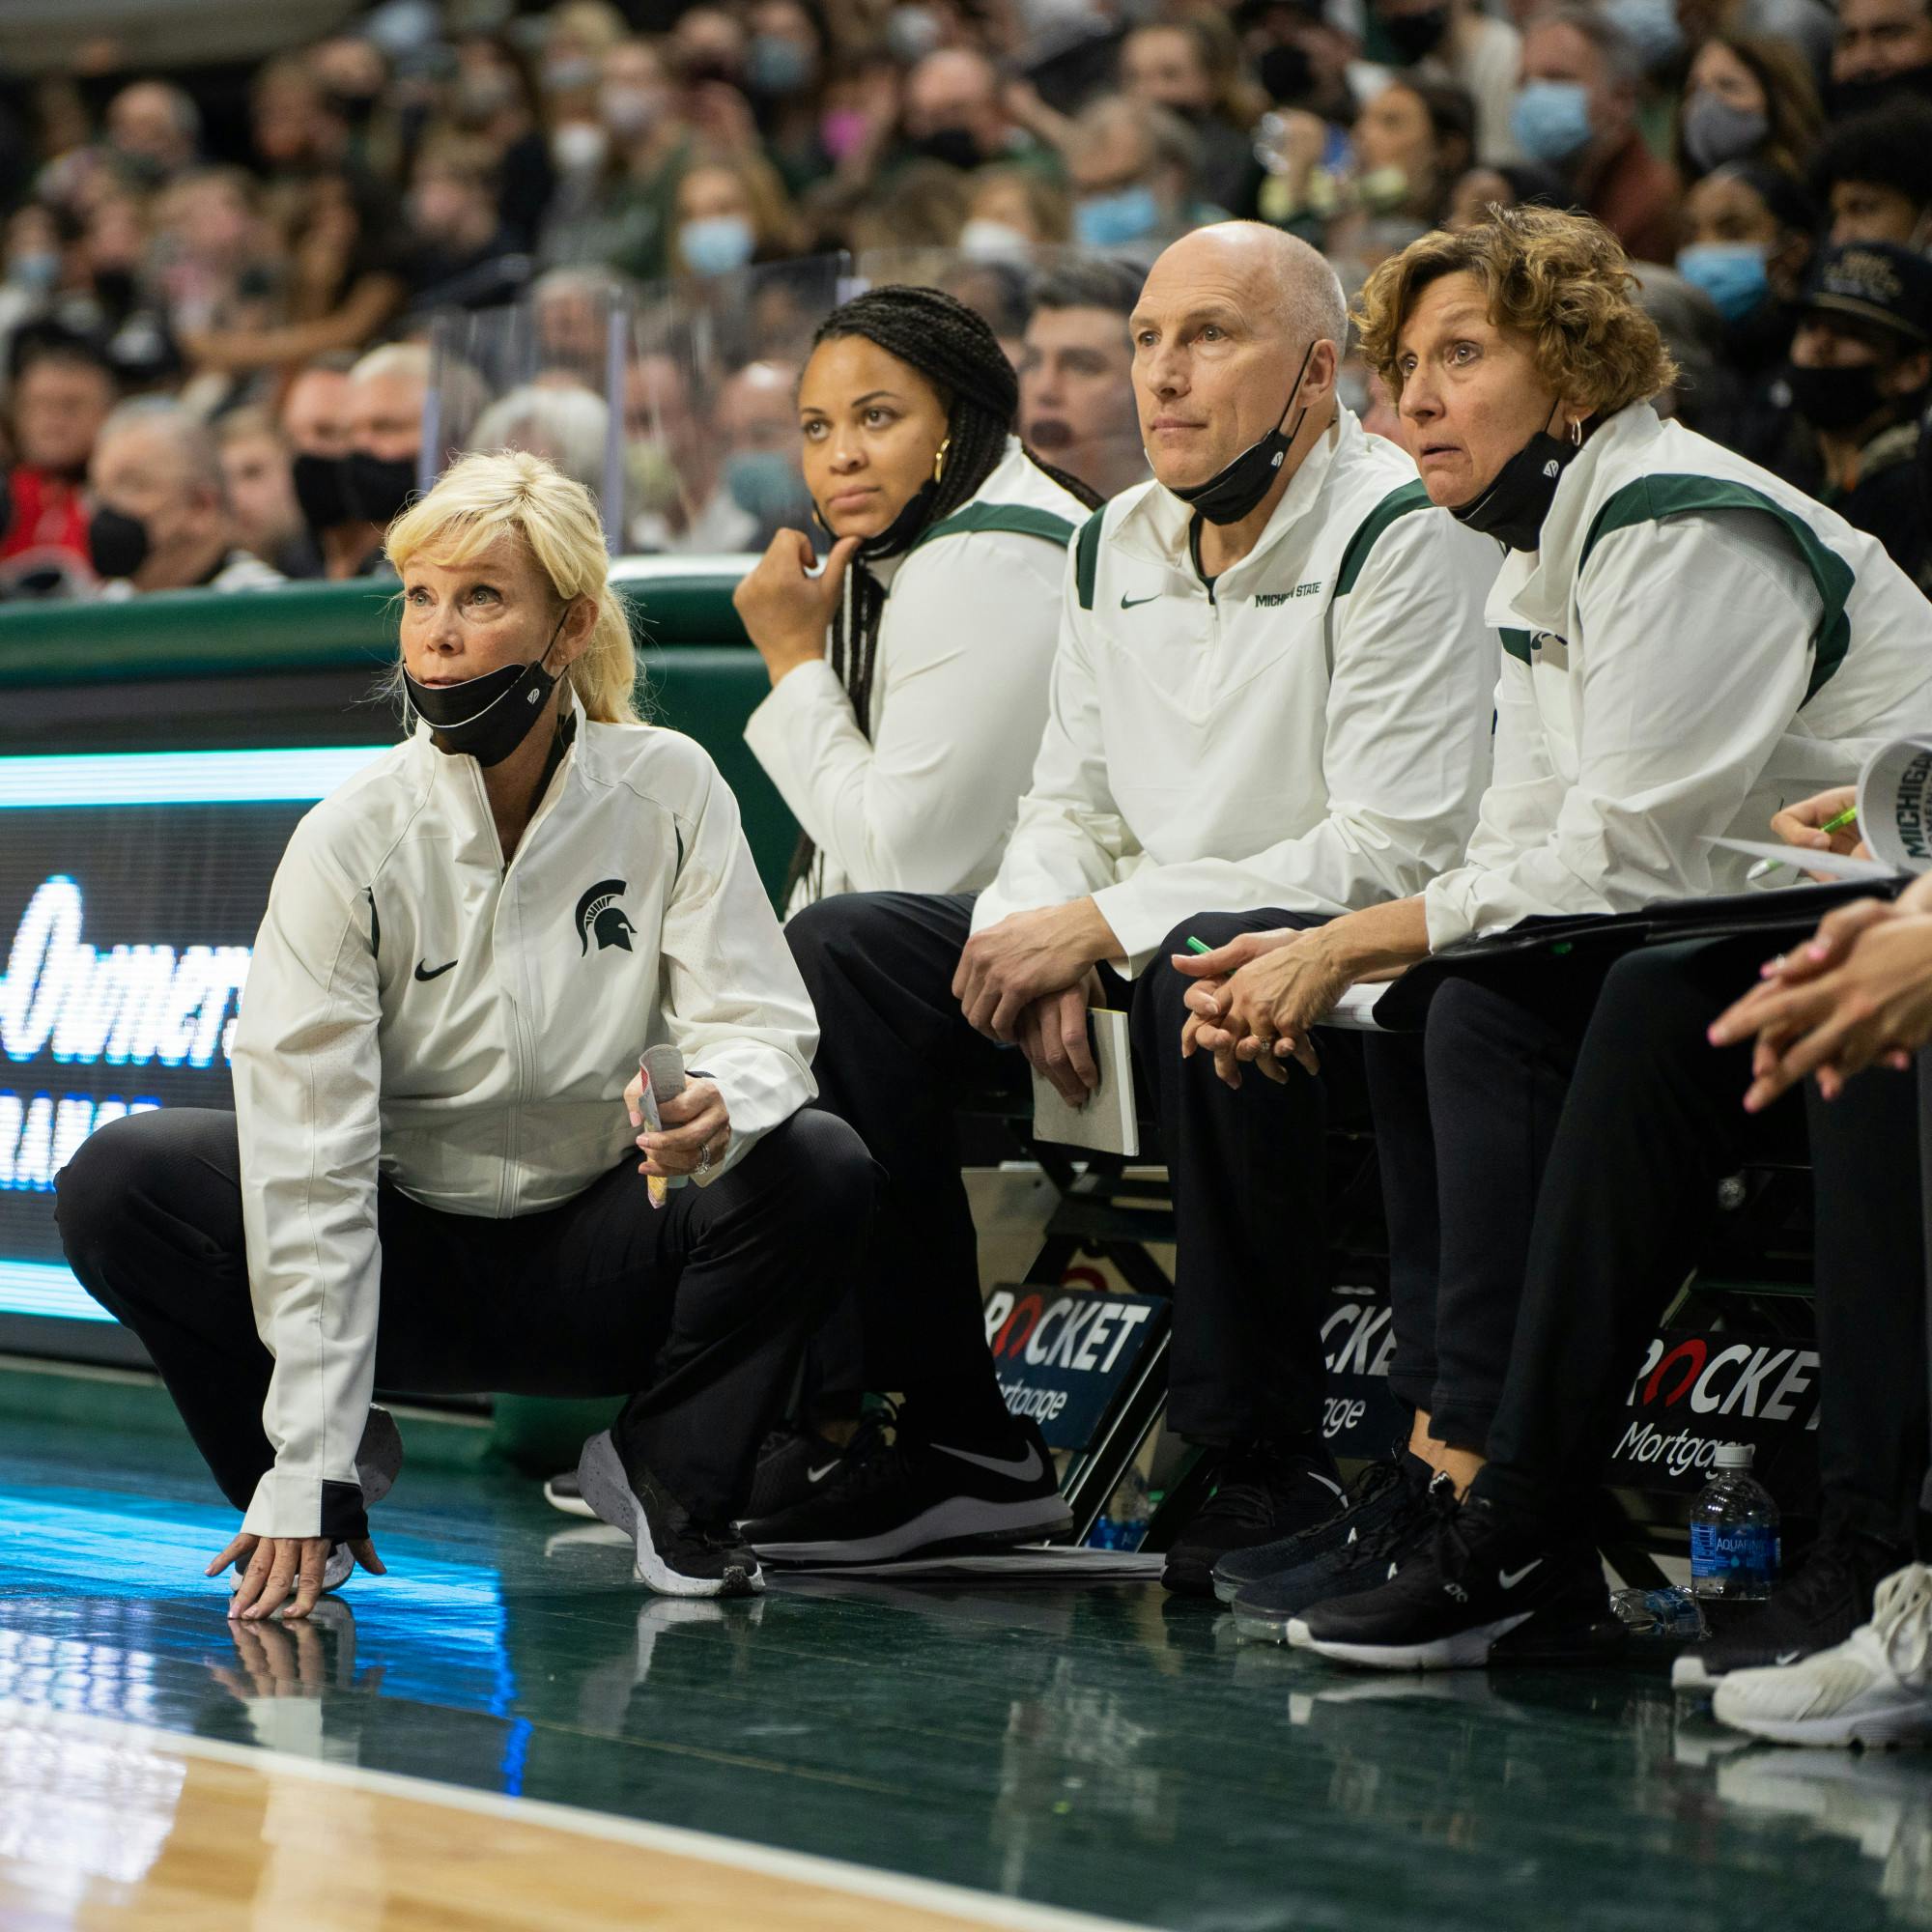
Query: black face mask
{"type": "Point", "coordinates": [377, 486]}
{"type": "Point", "coordinates": [897, 535]}
{"type": "Point", "coordinates": [1511, 510]}
{"type": "Point", "coordinates": [1860, 96]}
{"type": "Point", "coordinates": [322, 491]}
{"type": "Point", "coordinates": [118, 544]}
{"type": "Point", "coordinates": [954, 145]}
{"type": "Point", "coordinates": [1236, 490]}
{"type": "Point", "coordinates": [485, 718]}
{"type": "Point", "coordinates": [1835, 400]}
{"type": "Point", "coordinates": [1286, 73]}
{"type": "Point", "coordinates": [1415, 36]}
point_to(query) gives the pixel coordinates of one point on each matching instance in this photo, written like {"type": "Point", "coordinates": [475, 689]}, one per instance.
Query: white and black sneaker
{"type": "Point", "coordinates": [675, 1555]}
{"type": "Point", "coordinates": [897, 1494]}
{"type": "Point", "coordinates": [1480, 1580]}
{"type": "Point", "coordinates": [795, 1463]}
{"type": "Point", "coordinates": [1824, 1599]}
{"type": "Point", "coordinates": [563, 1491]}
{"type": "Point", "coordinates": [1268, 1492]}
{"type": "Point", "coordinates": [379, 1462]}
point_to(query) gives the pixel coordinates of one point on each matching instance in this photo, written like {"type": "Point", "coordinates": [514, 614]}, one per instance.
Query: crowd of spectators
{"type": "Point", "coordinates": [271, 252]}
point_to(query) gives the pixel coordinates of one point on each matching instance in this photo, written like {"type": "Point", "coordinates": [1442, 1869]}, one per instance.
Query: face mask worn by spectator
{"type": "Point", "coordinates": [1835, 400]}
{"type": "Point", "coordinates": [118, 543]}
{"type": "Point", "coordinates": [767, 486]}
{"type": "Point", "coordinates": [1847, 98]}
{"type": "Point", "coordinates": [486, 718]}
{"type": "Point", "coordinates": [1511, 510]}
{"type": "Point", "coordinates": [1235, 489]}
{"type": "Point", "coordinates": [776, 67]}
{"type": "Point", "coordinates": [377, 487]}
{"type": "Point", "coordinates": [1652, 25]}
{"type": "Point", "coordinates": [1732, 274]}
{"type": "Point", "coordinates": [1551, 120]}
{"type": "Point", "coordinates": [984, 239]}
{"type": "Point", "coordinates": [1113, 220]}
{"type": "Point", "coordinates": [954, 147]}
{"type": "Point", "coordinates": [322, 491]}
{"type": "Point", "coordinates": [714, 245]}
{"type": "Point", "coordinates": [1715, 133]}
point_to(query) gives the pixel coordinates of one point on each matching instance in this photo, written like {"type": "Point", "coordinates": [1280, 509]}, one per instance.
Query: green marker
{"type": "Point", "coordinates": [1198, 945]}
{"type": "Point", "coordinates": [1841, 821]}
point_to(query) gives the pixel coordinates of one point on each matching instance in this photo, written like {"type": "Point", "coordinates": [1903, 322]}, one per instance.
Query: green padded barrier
{"type": "Point", "coordinates": [700, 676]}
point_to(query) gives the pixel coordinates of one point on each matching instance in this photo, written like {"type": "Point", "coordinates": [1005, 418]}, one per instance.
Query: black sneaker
{"type": "Point", "coordinates": [1479, 1579]}
{"type": "Point", "coordinates": [1368, 1502]}
{"type": "Point", "coordinates": [794, 1464]}
{"type": "Point", "coordinates": [1264, 1612]}
{"type": "Point", "coordinates": [903, 1494]}
{"type": "Point", "coordinates": [676, 1556]}
{"type": "Point", "coordinates": [1268, 1491]}
{"type": "Point", "coordinates": [563, 1491]}
{"type": "Point", "coordinates": [1819, 1604]}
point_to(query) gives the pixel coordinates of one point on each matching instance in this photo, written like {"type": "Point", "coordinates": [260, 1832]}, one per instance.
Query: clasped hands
{"type": "Point", "coordinates": [1257, 1000]}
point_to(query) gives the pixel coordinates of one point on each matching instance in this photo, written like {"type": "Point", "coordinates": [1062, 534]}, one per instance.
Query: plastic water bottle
{"type": "Point", "coordinates": [1125, 1522]}
{"type": "Point", "coordinates": [1735, 1548]}
{"type": "Point", "coordinates": [1668, 1615]}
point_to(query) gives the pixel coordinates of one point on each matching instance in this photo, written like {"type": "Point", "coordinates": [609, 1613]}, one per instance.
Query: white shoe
{"type": "Point", "coordinates": [1873, 1689]}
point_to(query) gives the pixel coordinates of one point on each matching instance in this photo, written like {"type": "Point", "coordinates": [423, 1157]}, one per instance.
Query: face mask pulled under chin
{"type": "Point", "coordinates": [485, 718]}
{"type": "Point", "coordinates": [1236, 489]}
{"type": "Point", "coordinates": [1511, 510]}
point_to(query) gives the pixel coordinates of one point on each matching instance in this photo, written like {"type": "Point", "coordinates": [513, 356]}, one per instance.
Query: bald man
{"type": "Point", "coordinates": [1270, 703]}
{"type": "Point", "coordinates": [161, 517]}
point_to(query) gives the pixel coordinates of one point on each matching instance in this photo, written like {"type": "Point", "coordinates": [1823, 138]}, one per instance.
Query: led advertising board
{"type": "Point", "coordinates": [131, 889]}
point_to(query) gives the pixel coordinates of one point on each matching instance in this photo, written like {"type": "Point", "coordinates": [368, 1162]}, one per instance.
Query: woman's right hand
{"type": "Point", "coordinates": [786, 612]}
{"type": "Point", "coordinates": [273, 1566]}
{"type": "Point", "coordinates": [1800, 824]}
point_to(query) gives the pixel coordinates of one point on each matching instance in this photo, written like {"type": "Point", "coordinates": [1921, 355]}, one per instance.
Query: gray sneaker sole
{"type": "Point", "coordinates": [957, 1520]}
{"type": "Point", "coordinates": [600, 1475]}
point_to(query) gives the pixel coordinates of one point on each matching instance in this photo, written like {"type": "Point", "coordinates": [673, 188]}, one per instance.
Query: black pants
{"type": "Point", "coordinates": [1652, 1120]}
{"type": "Point", "coordinates": [896, 1057]}
{"type": "Point", "coordinates": [696, 1311]}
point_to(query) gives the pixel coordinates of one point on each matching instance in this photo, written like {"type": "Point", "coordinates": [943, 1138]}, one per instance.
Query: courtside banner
{"type": "Point", "coordinates": [131, 888]}
{"type": "Point", "coordinates": [1694, 1389]}
{"type": "Point", "coordinates": [1062, 1352]}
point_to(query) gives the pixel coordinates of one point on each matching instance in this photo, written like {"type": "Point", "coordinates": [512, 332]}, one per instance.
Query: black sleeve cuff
{"type": "Point", "coordinates": [344, 1518]}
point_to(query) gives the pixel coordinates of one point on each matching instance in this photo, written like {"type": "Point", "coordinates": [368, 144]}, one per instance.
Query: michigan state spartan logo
{"type": "Point", "coordinates": [597, 913]}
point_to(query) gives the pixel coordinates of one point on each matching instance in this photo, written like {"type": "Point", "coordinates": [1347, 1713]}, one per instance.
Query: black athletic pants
{"type": "Point", "coordinates": [896, 1057]}
{"type": "Point", "coordinates": [696, 1311]}
{"type": "Point", "coordinates": [1652, 1120]}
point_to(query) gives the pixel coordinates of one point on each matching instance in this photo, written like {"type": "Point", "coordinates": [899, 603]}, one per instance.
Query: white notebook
{"type": "Point", "coordinates": [1107, 1123]}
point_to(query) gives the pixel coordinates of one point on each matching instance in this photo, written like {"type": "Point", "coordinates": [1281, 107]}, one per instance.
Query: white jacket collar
{"type": "Point", "coordinates": [1533, 588]}
{"type": "Point", "coordinates": [1155, 529]}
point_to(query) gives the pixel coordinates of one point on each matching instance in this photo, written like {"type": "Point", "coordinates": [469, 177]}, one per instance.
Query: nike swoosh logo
{"type": "Point", "coordinates": [1510, 1579]}
{"type": "Point", "coordinates": [1020, 1468]}
{"type": "Point", "coordinates": [436, 975]}
{"type": "Point", "coordinates": [819, 1475]}
{"type": "Point", "coordinates": [1134, 603]}
{"type": "Point", "coordinates": [1789, 1657]}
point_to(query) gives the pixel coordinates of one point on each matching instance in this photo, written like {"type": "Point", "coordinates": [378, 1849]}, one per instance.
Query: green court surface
{"type": "Point", "coordinates": [1099, 1748]}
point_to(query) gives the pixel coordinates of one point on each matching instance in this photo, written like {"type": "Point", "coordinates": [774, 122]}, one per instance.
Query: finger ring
{"type": "Point", "coordinates": [704, 1159]}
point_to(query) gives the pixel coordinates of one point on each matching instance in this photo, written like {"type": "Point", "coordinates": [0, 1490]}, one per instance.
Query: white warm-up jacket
{"type": "Point", "coordinates": [1693, 645]}
{"type": "Point", "coordinates": [1313, 733]}
{"type": "Point", "coordinates": [417, 1011]}
{"type": "Point", "coordinates": [921, 800]}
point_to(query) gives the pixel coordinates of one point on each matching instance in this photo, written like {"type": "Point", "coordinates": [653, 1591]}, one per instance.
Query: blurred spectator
{"type": "Point", "coordinates": [1694, 333]}
{"type": "Point", "coordinates": [1883, 51]}
{"type": "Point", "coordinates": [387, 391]}
{"type": "Point", "coordinates": [1748, 234]}
{"type": "Point", "coordinates": [1012, 211]}
{"type": "Point", "coordinates": [562, 422]}
{"type": "Point", "coordinates": [465, 258]}
{"type": "Point", "coordinates": [161, 519]}
{"type": "Point", "coordinates": [955, 111]}
{"type": "Point", "coordinates": [258, 475]}
{"type": "Point", "coordinates": [153, 132]}
{"type": "Point", "coordinates": [571, 306]}
{"type": "Point", "coordinates": [490, 100]}
{"type": "Point", "coordinates": [617, 208]}
{"type": "Point", "coordinates": [755, 419]}
{"type": "Point", "coordinates": [728, 214]}
{"type": "Point", "coordinates": [1134, 170]}
{"type": "Point", "coordinates": [785, 64]}
{"type": "Point", "coordinates": [1192, 67]}
{"type": "Point", "coordinates": [62, 393]}
{"type": "Point", "coordinates": [1514, 185]}
{"type": "Point", "coordinates": [672, 462]}
{"type": "Point", "coordinates": [315, 420]}
{"type": "Point", "coordinates": [922, 204]}
{"type": "Point", "coordinates": [579, 38]}
{"type": "Point", "coordinates": [1747, 100]}
{"type": "Point", "coordinates": [1458, 43]}
{"type": "Point", "coordinates": [1413, 142]}
{"type": "Point", "coordinates": [1874, 175]}
{"type": "Point", "coordinates": [1076, 391]}
{"type": "Point", "coordinates": [1861, 367]}
{"type": "Point", "coordinates": [1576, 112]}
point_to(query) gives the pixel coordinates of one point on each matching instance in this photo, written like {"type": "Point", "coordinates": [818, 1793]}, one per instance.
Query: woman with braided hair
{"type": "Point", "coordinates": [909, 676]}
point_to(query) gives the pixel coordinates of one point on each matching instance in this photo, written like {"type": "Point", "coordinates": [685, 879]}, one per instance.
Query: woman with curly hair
{"type": "Point", "coordinates": [1688, 643]}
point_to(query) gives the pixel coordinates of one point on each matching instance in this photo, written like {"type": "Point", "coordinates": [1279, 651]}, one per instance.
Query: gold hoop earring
{"type": "Point", "coordinates": [939, 458]}
{"type": "Point", "coordinates": [1575, 432]}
